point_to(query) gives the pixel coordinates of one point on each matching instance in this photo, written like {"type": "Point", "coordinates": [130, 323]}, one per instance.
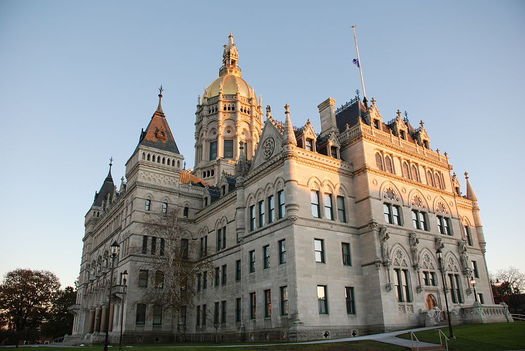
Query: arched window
{"type": "Point", "coordinates": [143, 155]}
{"type": "Point", "coordinates": [428, 270]}
{"type": "Point", "coordinates": [164, 160]}
{"type": "Point", "coordinates": [454, 280]}
{"type": "Point", "coordinates": [178, 164]}
{"type": "Point", "coordinates": [437, 180]}
{"type": "Point", "coordinates": [406, 171]}
{"type": "Point", "coordinates": [430, 179]}
{"type": "Point", "coordinates": [148, 157]}
{"type": "Point", "coordinates": [379, 161]}
{"type": "Point", "coordinates": [389, 166]}
{"type": "Point", "coordinates": [415, 173]}
{"type": "Point", "coordinates": [402, 281]}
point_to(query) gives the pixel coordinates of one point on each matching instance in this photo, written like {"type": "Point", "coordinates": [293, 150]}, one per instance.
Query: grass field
{"type": "Point", "coordinates": [480, 337]}
{"type": "Point", "coordinates": [341, 346]}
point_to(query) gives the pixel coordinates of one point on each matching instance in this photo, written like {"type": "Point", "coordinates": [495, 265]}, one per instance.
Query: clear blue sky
{"type": "Point", "coordinates": [78, 81]}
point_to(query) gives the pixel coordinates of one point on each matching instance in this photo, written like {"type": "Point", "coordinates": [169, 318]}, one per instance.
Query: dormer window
{"type": "Point", "coordinates": [309, 145]}
{"type": "Point", "coordinates": [425, 144]}
{"type": "Point", "coordinates": [377, 124]}
{"type": "Point", "coordinates": [333, 151]}
{"type": "Point", "coordinates": [403, 134]}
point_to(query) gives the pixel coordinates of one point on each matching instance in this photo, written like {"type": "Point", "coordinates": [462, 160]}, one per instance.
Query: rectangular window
{"type": "Point", "coordinates": [480, 298]}
{"type": "Point", "coordinates": [266, 256]}
{"type": "Point", "coordinates": [147, 205]}
{"type": "Point", "coordinates": [184, 249]}
{"type": "Point", "coordinates": [217, 275]}
{"type": "Point", "coordinates": [141, 314]}
{"type": "Point", "coordinates": [144, 244]}
{"type": "Point", "coordinates": [204, 246]}
{"type": "Point", "coordinates": [198, 316]}
{"type": "Point", "coordinates": [267, 303]}
{"type": "Point", "coordinates": [216, 313]}
{"type": "Point", "coordinates": [444, 225]}
{"type": "Point", "coordinates": [347, 259]}
{"type": "Point", "coordinates": [238, 310]}
{"type": "Point", "coordinates": [271, 209]}
{"type": "Point", "coordinates": [341, 209]}
{"type": "Point", "coordinates": [199, 281]}
{"type": "Point", "coordinates": [164, 207]}
{"type": "Point", "coordinates": [223, 237]}
{"type": "Point", "coordinates": [475, 269]}
{"type": "Point", "coordinates": [219, 239]}
{"type": "Point", "coordinates": [280, 198]}
{"type": "Point", "coordinates": [252, 261]}
{"type": "Point", "coordinates": [143, 278]}
{"type": "Point", "coordinates": [314, 200]}
{"type": "Point", "coordinates": [458, 288]}
{"type": "Point", "coordinates": [282, 251]}
{"type": "Point", "coordinates": [333, 151]}
{"type": "Point", "coordinates": [228, 148]}
{"type": "Point", "coordinates": [261, 213]}
{"type": "Point", "coordinates": [406, 286]}
{"type": "Point", "coordinates": [328, 206]}
{"type": "Point", "coordinates": [162, 245]}
{"type": "Point", "coordinates": [157, 315]}
{"type": "Point", "coordinates": [284, 300]}
{"type": "Point", "coordinates": [397, 283]}
{"type": "Point", "coordinates": [213, 150]}
{"type": "Point", "coordinates": [224, 274]}
{"type": "Point", "coordinates": [204, 315]}
{"type": "Point", "coordinates": [223, 312]}
{"type": "Point", "coordinates": [469, 236]}
{"type": "Point", "coordinates": [308, 145]}
{"type": "Point", "coordinates": [392, 214]}
{"type": "Point", "coordinates": [319, 250]}
{"type": "Point", "coordinates": [350, 301]}
{"type": "Point", "coordinates": [159, 280]}
{"type": "Point", "coordinates": [419, 220]}
{"type": "Point", "coordinates": [238, 270]}
{"type": "Point", "coordinates": [153, 245]}
{"type": "Point", "coordinates": [204, 280]}
{"type": "Point", "coordinates": [253, 305]}
{"type": "Point", "coordinates": [252, 217]}
{"type": "Point", "coordinates": [402, 285]}
{"type": "Point", "coordinates": [322, 299]}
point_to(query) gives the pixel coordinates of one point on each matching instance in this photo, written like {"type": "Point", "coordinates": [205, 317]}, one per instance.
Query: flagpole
{"type": "Point", "coordinates": [360, 65]}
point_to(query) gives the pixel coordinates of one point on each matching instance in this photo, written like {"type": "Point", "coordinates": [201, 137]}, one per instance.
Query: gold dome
{"type": "Point", "coordinates": [229, 84]}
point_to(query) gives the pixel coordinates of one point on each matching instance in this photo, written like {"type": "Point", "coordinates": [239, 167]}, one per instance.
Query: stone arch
{"type": "Point", "coordinates": [451, 263]}
{"type": "Point", "coordinates": [427, 260]}
{"type": "Point", "coordinates": [399, 256]}
{"type": "Point", "coordinates": [341, 190]}
{"type": "Point", "coordinates": [250, 200]}
{"type": "Point", "coordinates": [328, 187]}
{"type": "Point", "coordinates": [391, 192]}
{"type": "Point", "coordinates": [440, 206]}
{"type": "Point", "coordinates": [203, 231]}
{"type": "Point", "coordinates": [259, 195]}
{"type": "Point", "coordinates": [314, 183]}
{"type": "Point", "coordinates": [279, 184]}
{"type": "Point", "coordinates": [269, 189]}
{"type": "Point", "coordinates": [414, 202]}
{"type": "Point", "coordinates": [466, 221]}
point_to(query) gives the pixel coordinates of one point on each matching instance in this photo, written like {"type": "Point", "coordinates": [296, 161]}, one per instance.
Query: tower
{"type": "Point", "coordinates": [228, 120]}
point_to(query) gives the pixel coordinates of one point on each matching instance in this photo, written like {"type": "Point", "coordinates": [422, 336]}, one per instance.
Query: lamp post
{"type": "Point", "coordinates": [125, 284]}
{"type": "Point", "coordinates": [115, 248]}
{"type": "Point", "coordinates": [442, 269]}
{"type": "Point", "coordinates": [473, 283]}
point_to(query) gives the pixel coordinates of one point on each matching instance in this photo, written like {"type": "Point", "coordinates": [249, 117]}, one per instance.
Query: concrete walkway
{"type": "Point", "coordinates": [387, 338]}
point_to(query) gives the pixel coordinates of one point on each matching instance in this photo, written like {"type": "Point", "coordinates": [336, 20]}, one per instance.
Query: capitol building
{"type": "Point", "coordinates": [293, 233]}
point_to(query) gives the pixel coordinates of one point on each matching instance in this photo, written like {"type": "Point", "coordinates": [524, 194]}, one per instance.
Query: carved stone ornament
{"type": "Point", "coordinates": [390, 194]}
{"type": "Point", "coordinates": [441, 208]}
{"type": "Point", "coordinates": [383, 241]}
{"type": "Point", "coordinates": [417, 202]}
{"type": "Point", "coordinates": [414, 242]}
{"type": "Point", "coordinates": [268, 147]}
{"type": "Point", "coordinates": [439, 244]}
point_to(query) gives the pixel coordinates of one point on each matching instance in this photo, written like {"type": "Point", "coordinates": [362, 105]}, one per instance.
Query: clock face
{"type": "Point", "coordinates": [268, 147]}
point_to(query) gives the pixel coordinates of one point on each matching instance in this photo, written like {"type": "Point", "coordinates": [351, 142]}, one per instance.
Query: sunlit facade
{"type": "Point", "coordinates": [310, 234]}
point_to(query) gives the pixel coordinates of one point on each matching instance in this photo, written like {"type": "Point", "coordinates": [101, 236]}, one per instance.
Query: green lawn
{"type": "Point", "coordinates": [479, 337]}
{"type": "Point", "coordinates": [341, 346]}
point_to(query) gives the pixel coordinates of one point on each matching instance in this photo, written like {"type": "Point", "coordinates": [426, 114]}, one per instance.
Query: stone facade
{"type": "Point", "coordinates": [322, 235]}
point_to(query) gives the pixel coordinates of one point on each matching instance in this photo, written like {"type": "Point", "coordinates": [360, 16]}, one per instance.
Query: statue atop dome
{"type": "Point", "coordinates": [230, 59]}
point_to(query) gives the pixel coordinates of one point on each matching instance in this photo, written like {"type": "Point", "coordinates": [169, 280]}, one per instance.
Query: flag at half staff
{"type": "Point", "coordinates": [356, 62]}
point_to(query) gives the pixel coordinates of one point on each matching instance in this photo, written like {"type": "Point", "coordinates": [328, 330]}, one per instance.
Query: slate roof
{"type": "Point", "coordinates": [158, 133]}
{"type": "Point", "coordinates": [108, 187]}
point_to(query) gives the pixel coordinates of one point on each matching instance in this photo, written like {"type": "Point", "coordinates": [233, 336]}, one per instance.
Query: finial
{"type": "Point", "coordinates": [446, 154]}
{"type": "Point", "coordinates": [437, 150]}
{"type": "Point", "coordinates": [122, 179]}
{"type": "Point", "coordinates": [289, 134]}
{"type": "Point", "coordinates": [406, 114]}
{"type": "Point", "coordinates": [454, 175]}
{"type": "Point", "coordinates": [160, 91]}
{"type": "Point", "coordinates": [268, 111]}
{"type": "Point", "coordinates": [230, 37]}
{"type": "Point", "coordinates": [398, 113]}
{"type": "Point", "coordinates": [422, 124]}
{"type": "Point", "coordinates": [373, 101]}
{"type": "Point", "coordinates": [357, 94]}
{"type": "Point", "coordinates": [287, 109]}
{"type": "Point", "coordinates": [466, 175]}
{"type": "Point", "coordinates": [110, 162]}
{"type": "Point", "coordinates": [159, 107]}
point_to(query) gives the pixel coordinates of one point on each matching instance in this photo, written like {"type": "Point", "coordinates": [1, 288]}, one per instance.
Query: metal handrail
{"type": "Point", "coordinates": [518, 316]}
{"type": "Point", "coordinates": [442, 335]}
{"type": "Point", "coordinates": [412, 337]}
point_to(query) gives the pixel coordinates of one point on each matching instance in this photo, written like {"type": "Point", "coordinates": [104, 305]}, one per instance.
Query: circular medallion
{"type": "Point", "coordinates": [268, 147]}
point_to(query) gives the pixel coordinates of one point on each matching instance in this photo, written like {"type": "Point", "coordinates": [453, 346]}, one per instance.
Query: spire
{"type": "Point", "coordinates": [230, 59]}
{"type": "Point", "coordinates": [107, 189]}
{"type": "Point", "coordinates": [159, 107]}
{"type": "Point", "coordinates": [158, 133]}
{"type": "Point", "coordinates": [289, 135]}
{"type": "Point", "coordinates": [471, 195]}
{"type": "Point", "coordinates": [109, 177]}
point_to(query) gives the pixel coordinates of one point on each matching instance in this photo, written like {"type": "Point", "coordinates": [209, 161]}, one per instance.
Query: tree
{"type": "Point", "coordinates": [177, 265]}
{"type": "Point", "coordinates": [59, 321]}
{"type": "Point", "coordinates": [25, 298]}
{"type": "Point", "coordinates": [514, 278]}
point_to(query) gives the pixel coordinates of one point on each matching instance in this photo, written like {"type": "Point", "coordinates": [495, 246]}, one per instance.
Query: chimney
{"type": "Point", "coordinates": [327, 115]}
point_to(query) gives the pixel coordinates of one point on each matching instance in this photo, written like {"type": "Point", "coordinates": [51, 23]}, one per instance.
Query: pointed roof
{"type": "Point", "coordinates": [289, 134]}
{"type": "Point", "coordinates": [108, 187]}
{"type": "Point", "coordinates": [158, 133]}
{"type": "Point", "coordinates": [471, 195]}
